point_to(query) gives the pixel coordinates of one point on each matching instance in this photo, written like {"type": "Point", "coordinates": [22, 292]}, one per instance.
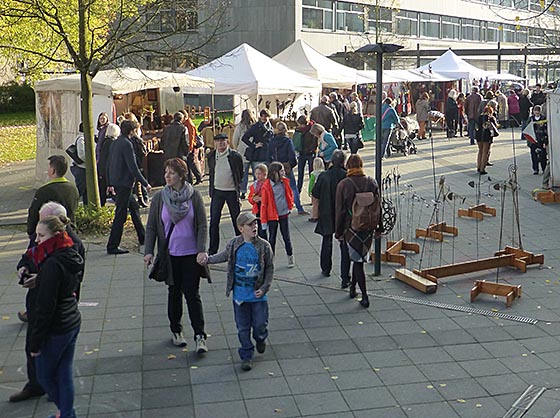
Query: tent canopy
{"type": "Point", "coordinates": [493, 76]}
{"type": "Point", "coordinates": [397, 76]}
{"type": "Point", "coordinates": [451, 65]}
{"type": "Point", "coordinates": [304, 59]}
{"type": "Point", "coordinates": [246, 71]}
{"type": "Point", "coordinates": [123, 81]}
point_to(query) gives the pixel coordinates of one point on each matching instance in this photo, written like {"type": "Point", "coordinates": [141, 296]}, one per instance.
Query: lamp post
{"type": "Point", "coordinates": [379, 49]}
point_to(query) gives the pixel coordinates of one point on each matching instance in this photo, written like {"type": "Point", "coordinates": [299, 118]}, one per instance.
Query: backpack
{"type": "Point", "coordinates": [366, 210]}
{"type": "Point", "coordinates": [72, 151]}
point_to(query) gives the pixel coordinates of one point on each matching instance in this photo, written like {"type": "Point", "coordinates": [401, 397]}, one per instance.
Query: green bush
{"type": "Point", "coordinates": [16, 98]}
{"type": "Point", "coordinates": [94, 221]}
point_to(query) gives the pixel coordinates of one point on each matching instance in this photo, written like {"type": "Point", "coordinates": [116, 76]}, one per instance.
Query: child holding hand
{"type": "Point", "coordinates": [249, 276]}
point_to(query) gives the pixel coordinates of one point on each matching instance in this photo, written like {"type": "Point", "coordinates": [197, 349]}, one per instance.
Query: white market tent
{"type": "Point", "coordinates": [493, 76]}
{"type": "Point", "coordinates": [253, 79]}
{"type": "Point", "coordinates": [397, 76]}
{"type": "Point", "coordinates": [306, 60]}
{"type": "Point", "coordinates": [57, 102]}
{"type": "Point", "coordinates": [452, 66]}
{"type": "Point", "coordinates": [246, 71]}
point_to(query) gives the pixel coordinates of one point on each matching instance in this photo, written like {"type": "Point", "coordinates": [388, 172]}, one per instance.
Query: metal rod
{"type": "Point", "coordinates": [378, 141]}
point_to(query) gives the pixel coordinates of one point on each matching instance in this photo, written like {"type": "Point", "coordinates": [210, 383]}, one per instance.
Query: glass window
{"type": "Point", "coordinates": [385, 21]}
{"type": "Point", "coordinates": [317, 14]}
{"type": "Point", "coordinates": [508, 33]}
{"type": "Point", "coordinates": [537, 6]}
{"type": "Point", "coordinates": [429, 25]}
{"type": "Point", "coordinates": [521, 4]}
{"type": "Point", "coordinates": [521, 34]}
{"type": "Point", "coordinates": [471, 30]}
{"type": "Point", "coordinates": [350, 17]}
{"type": "Point", "coordinates": [450, 27]}
{"type": "Point", "coordinates": [493, 31]}
{"type": "Point", "coordinates": [536, 36]}
{"type": "Point", "coordinates": [407, 23]}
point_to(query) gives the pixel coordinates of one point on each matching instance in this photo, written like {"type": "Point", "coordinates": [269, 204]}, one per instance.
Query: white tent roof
{"type": "Point", "coordinates": [304, 59]}
{"type": "Point", "coordinates": [124, 80]}
{"type": "Point", "coordinates": [450, 65]}
{"type": "Point", "coordinates": [493, 76]}
{"type": "Point", "coordinates": [397, 76]}
{"type": "Point", "coordinates": [247, 71]}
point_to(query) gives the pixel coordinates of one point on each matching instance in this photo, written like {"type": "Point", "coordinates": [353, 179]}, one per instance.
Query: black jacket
{"type": "Point", "coordinates": [525, 106]}
{"type": "Point", "coordinates": [174, 141]}
{"type": "Point", "coordinates": [325, 191]}
{"type": "Point", "coordinates": [123, 170]}
{"type": "Point", "coordinates": [55, 308]}
{"type": "Point", "coordinates": [235, 164]}
{"type": "Point", "coordinates": [309, 143]}
{"type": "Point", "coordinates": [281, 149]}
{"type": "Point", "coordinates": [257, 133]}
{"type": "Point", "coordinates": [104, 153]}
{"type": "Point", "coordinates": [352, 123]}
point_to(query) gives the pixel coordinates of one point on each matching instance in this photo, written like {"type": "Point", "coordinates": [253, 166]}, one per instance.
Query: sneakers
{"type": "Point", "coordinates": [246, 365]}
{"type": "Point", "coordinates": [261, 346]}
{"type": "Point", "coordinates": [201, 347]}
{"type": "Point", "coordinates": [291, 261]}
{"type": "Point", "coordinates": [178, 339]}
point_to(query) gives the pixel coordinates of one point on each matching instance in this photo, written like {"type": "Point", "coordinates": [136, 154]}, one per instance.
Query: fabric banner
{"type": "Point", "coordinates": [552, 111]}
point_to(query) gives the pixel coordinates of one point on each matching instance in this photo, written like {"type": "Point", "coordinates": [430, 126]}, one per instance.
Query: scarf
{"type": "Point", "coordinates": [177, 202]}
{"type": "Point", "coordinates": [40, 252]}
{"type": "Point", "coordinates": [355, 172]}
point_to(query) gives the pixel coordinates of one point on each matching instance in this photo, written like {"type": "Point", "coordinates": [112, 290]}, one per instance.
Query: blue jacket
{"type": "Point", "coordinates": [328, 148]}
{"type": "Point", "coordinates": [281, 149]}
{"type": "Point", "coordinates": [391, 119]}
{"type": "Point", "coordinates": [122, 169]}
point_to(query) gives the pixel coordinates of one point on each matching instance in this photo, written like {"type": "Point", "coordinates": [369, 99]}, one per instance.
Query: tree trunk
{"type": "Point", "coordinates": [87, 120]}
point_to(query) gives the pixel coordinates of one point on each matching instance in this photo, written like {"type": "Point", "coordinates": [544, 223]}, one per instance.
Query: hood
{"type": "Point", "coordinates": [304, 129]}
{"type": "Point", "coordinates": [69, 259]}
{"type": "Point", "coordinates": [281, 139]}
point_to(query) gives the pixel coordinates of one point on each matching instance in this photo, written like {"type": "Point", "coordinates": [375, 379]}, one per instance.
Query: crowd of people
{"type": "Point", "coordinates": [484, 115]}
{"type": "Point", "coordinates": [179, 241]}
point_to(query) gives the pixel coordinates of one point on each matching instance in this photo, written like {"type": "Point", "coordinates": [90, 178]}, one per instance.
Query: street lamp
{"type": "Point", "coordinates": [379, 49]}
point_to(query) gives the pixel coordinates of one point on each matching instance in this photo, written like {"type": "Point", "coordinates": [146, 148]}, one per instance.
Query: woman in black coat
{"type": "Point", "coordinates": [353, 123]}
{"type": "Point", "coordinates": [451, 113]}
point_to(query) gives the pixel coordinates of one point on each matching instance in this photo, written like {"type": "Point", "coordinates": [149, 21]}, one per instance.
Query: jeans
{"type": "Point", "coordinates": [471, 129]}
{"type": "Point", "coordinates": [284, 230]}
{"type": "Point", "coordinates": [193, 169]}
{"type": "Point", "coordinates": [123, 204]}
{"type": "Point", "coordinates": [79, 174]}
{"type": "Point", "coordinates": [385, 147]}
{"type": "Point", "coordinates": [54, 370]}
{"type": "Point", "coordinates": [295, 191]}
{"type": "Point", "coordinates": [538, 157]}
{"type": "Point", "coordinates": [245, 180]}
{"type": "Point", "coordinates": [219, 198]}
{"type": "Point", "coordinates": [250, 315]}
{"type": "Point", "coordinates": [326, 257]}
{"type": "Point", "coordinates": [186, 276]}
{"type": "Point", "coordinates": [302, 161]}
{"type": "Point", "coordinates": [32, 384]}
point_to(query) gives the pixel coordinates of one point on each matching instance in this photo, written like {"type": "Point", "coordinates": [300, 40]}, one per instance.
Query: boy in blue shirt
{"type": "Point", "coordinates": [249, 275]}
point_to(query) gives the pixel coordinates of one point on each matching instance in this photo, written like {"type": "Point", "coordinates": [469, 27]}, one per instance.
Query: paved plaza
{"type": "Point", "coordinates": [327, 356]}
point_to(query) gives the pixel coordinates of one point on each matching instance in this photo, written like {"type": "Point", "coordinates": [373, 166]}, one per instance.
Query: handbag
{"type": "Point", "coordinates": [359, 142]}
{"type": "Point", "coordinates": [160, 269]}
{"type": "Point", "coordinates": [72, 151]}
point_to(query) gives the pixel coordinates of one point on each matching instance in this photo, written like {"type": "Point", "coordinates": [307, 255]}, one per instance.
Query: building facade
{"type": "Point", "coordinates": [336, 27]}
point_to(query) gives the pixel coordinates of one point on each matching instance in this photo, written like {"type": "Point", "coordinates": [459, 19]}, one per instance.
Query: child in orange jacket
{"type": "Point", "coordinates": [255, 191]}
{"type": "Point", "coordinates": [277, 200]}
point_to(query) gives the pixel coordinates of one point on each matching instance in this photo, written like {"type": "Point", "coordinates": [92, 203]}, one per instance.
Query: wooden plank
{"type": "Point", "coordinates": [470, 266]}
{"type": "Point", "coordinates": [416, 281]}
{"type": "Point", "coordinates": [468, 213]}
{"type": "Point", "coordinates": [411, 246]}
{"type": "Point", "coordinates": [511, 292]}
{"type": "Point", "coordinates": [429, 233]}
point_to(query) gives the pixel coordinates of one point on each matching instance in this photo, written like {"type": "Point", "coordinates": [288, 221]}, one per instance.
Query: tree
{"type": "Point", "coordinates": [89, 35]}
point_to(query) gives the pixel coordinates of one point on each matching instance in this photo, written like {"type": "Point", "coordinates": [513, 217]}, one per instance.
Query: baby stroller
{"type": "Point", "coordinates": [401, 139]}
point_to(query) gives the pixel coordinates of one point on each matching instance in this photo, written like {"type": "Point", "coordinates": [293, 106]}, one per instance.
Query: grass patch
{"type": "Point", "coordinates": [17, 119]}
{"type": "Point", "coordinates": [17, 144]}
